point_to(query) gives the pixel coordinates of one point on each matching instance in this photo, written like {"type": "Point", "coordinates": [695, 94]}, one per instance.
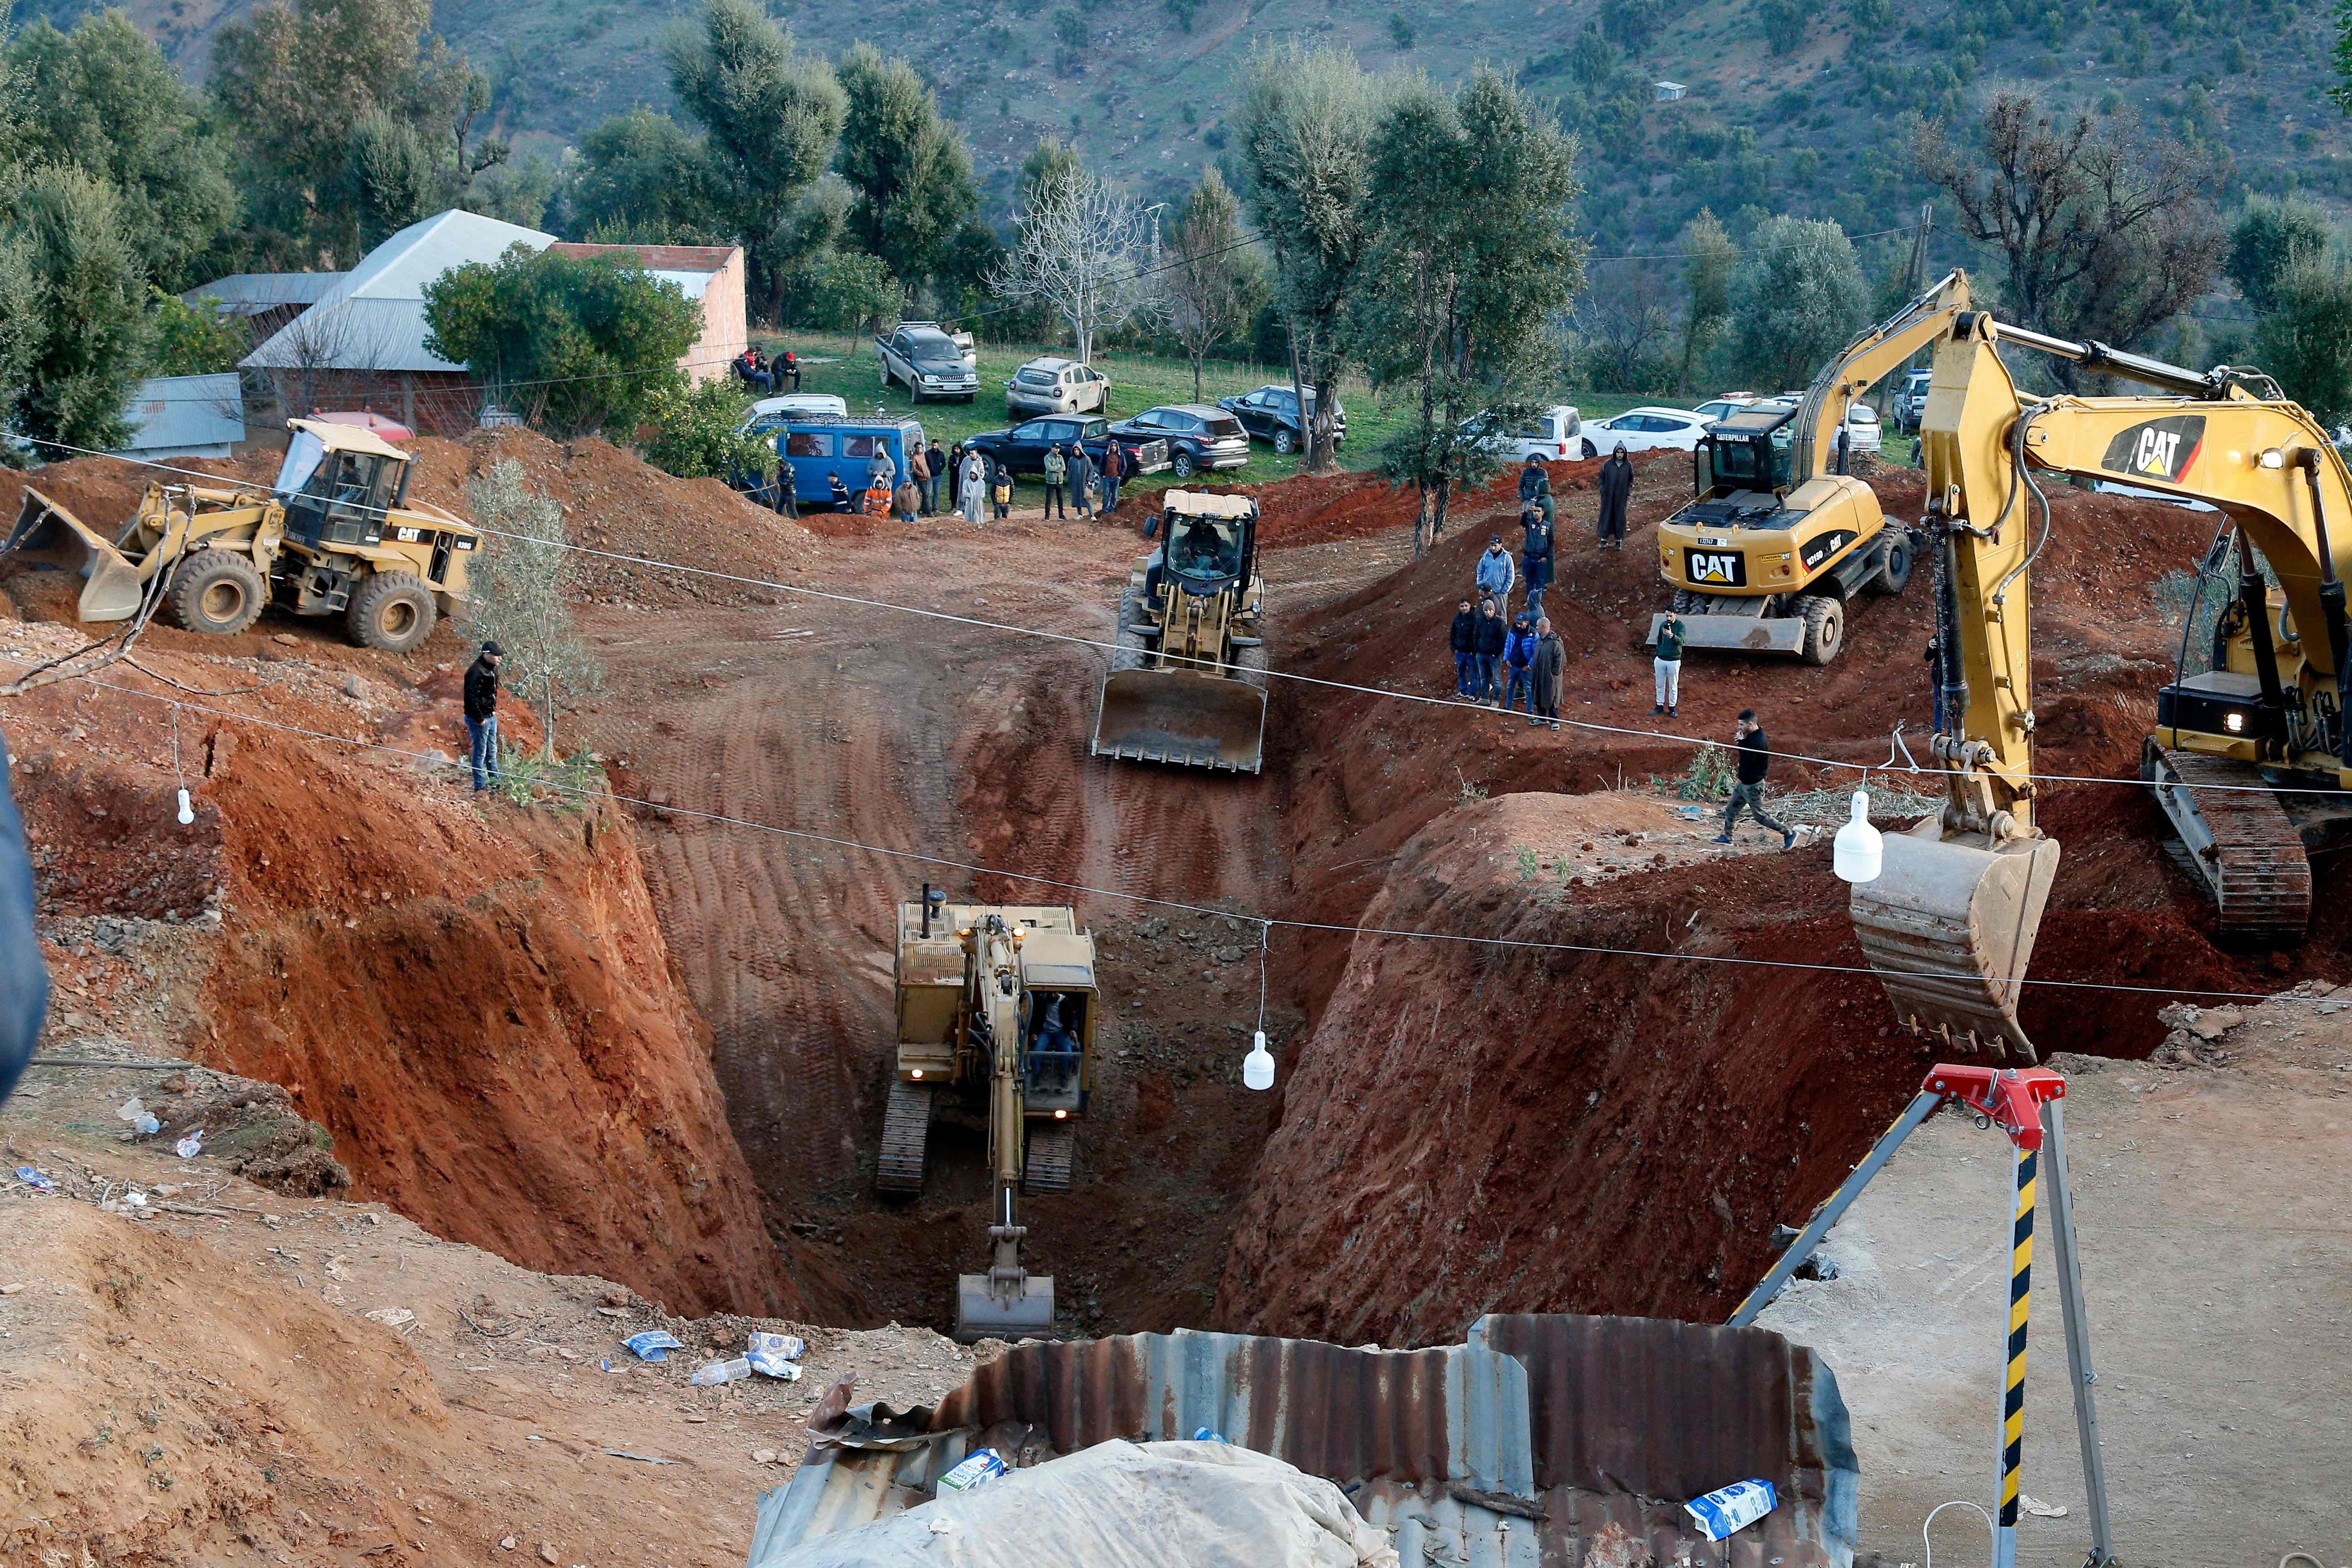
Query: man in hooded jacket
{"type": "Point", "coordinates": [1550, 669]}
{"type": "Point", "coordinates": [1616, 485]}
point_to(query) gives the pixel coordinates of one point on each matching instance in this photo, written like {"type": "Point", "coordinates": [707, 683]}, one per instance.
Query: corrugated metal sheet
{"type": "Point", "coordinates": [252, 293]}
{"type": "Point", "coordinates": [1550, 1439]}
{"type": "Point", "coordinates": [186, 416]}
{"type": "Point", "coordinates": [373, 317]}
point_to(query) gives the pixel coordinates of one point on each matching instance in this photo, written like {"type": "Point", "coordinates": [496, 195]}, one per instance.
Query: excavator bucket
{"type": "Point", "coordinates": [1949, 926]}
{"type": "Point", "coordinates": [990, 1307]}
{"type": "Point", "coordinates": [112, 592]}
{"type": "Point", "coordinates": [1182, 716]}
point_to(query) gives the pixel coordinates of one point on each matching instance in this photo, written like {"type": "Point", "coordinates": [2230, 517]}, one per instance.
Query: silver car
{"type": "Point", "coordinates": [1049, 385]}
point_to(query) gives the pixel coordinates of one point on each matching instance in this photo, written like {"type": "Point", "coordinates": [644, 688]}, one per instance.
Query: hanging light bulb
{"type": "Point", "coordinates": [1859, 849]}
{"type": "Point", "coordinates": [1258, 1067]}
{"type": "Point", "coordinates": [187, 812]}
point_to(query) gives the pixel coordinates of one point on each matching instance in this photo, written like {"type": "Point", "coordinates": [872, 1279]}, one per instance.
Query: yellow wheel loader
{"type": "Point", "coordinates": [997, 1009]}
{"type": "Point", "coordinates": [335, 534]}
{"type": "Point", "coordinates": [1187, 681]}
{"type": "Point", "coordinates": [1780, 540]}
{"type": "Point", "coordinates": [1949, 921]}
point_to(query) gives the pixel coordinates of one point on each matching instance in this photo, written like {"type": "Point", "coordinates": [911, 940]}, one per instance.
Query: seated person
{"type": "Point", "coordinates": [1052, 1048]}
{"type": "Point", "coordinates": [1201, 550]}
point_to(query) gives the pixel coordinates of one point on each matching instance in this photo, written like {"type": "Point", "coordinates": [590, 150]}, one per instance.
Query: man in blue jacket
{"type": "Point", "coordinates": [1464, 640]}
{"type": "Point", "coordinates": [1496, 573]}
{"type": "Point", "coordinates": [23, 979]}
{"type": "Point", "coordinates": [1519, 653]}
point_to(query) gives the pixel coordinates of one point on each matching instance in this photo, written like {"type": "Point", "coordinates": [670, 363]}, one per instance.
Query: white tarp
{"type": "Point", "coordinates": [1121, 1505]}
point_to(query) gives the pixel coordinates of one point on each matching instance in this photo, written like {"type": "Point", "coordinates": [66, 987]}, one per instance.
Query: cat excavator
{"type": "Point", "coordinates": [2249, 756]}
{"type": "Point", "coordinates": [997, 1007]}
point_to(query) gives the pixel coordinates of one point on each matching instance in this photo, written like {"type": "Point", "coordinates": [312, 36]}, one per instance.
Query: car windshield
{"type": "Point", "coordinates": [935, 351]}
{"type": "Point", "coordinates": [1205, 549]}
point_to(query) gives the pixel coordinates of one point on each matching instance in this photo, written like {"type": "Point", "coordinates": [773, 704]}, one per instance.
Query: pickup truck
{"type": "Point", "coordinates": [927, 362]}
{"type": "Point", "coordinates": [1020, 451]}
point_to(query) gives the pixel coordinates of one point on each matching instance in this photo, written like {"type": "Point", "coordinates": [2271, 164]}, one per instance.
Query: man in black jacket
{"type": "Point", "coordinates": [1755, 758]}
{"type": "Point", "coordinates": [1616, 484]}
{"type": "Point", "coordinates": [23, 979]}
{"type": "Point", "coordinates": [482, 714]}
{"type": "Point", "coordinates": [1493, 634]}
{"type": "Point", "coordinates": [1535, 557]}
{"type": "Point", "coordinates": [1463, 641]}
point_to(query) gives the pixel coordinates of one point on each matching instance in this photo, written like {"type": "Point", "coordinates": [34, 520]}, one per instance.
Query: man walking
{"type": "Point", "coordinates": [1534, 555]}
{"type": "Point", "coordinates": [482, 714]}
{"type": "Point", "coordinates": [1549, 669]}
{"type": "Point", "coordinates": [1464, 640]}
{"type": "Point", "coordinates": [1616, 484]}
{"type": "Point", "coordinates": [1754, 757]}
{"type": "Point", "coordinates": [1496, 573]}
{"type": "Point", "coordinates": [1057, 478]}
{"type": "Point", "coordinates": [1667, 666]}
{"type": "Point", "coordinates": [1493, 636]}
{"type": "Point", "coordinates": [1519, 653]}
{"type": "Point", "coordinates": [1114, 469]}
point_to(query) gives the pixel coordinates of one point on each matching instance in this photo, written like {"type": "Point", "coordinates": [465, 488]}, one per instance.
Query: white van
{"type": "Point", "coordinates": [1555, 435]}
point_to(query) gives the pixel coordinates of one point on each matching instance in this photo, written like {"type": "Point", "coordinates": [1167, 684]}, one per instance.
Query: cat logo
{"type": "Point", "coordinates": [1715, 568]}
{"type": "Point", "coordinates": [2156, 448]}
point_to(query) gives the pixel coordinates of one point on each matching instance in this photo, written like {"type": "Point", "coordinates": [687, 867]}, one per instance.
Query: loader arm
{"type": "Point", "coordinates": [1864, 364]}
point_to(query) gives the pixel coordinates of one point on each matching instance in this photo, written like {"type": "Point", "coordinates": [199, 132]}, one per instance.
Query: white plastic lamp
{"type": "Point", "coordinates": [1859, 849]}
{"type": "Point", "coordinates": [1258, 1067]}
{"type": "Point", "coordinates": [187, 812]}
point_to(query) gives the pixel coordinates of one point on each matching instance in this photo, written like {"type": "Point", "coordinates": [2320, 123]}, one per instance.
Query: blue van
{"type": "Point", "coordinates": [816, 447]}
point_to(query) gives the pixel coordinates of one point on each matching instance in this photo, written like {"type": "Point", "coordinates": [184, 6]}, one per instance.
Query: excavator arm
{"type": "Point", "coordinates": [1866, 362]}
{"type": "Point", "coordinates": [1008, 1302]}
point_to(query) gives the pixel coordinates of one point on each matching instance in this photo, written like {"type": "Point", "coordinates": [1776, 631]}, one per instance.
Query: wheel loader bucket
{"type": "Point", "coordinates": [1182, 716]}
{"type": "Point", "coordinates": [112, 591]}
{"type": "Point", "coordinates": [1949, 926]}
{"type": "Point", "coordinates": [990, 1308]}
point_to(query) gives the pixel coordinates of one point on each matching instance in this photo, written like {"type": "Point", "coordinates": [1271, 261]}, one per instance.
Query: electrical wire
{"type": "Point", "coordinates": [1956, 1502]}
{"type": "Point", "coordinates": [438, 761]}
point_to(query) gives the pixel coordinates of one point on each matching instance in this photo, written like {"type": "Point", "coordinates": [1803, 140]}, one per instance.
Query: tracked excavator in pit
{"type": "Point", "coordinates": [997, 1007]}
{"type": "Point", "coordinates": [2249, 756]}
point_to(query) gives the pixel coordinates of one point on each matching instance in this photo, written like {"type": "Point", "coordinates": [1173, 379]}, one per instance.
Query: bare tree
{"type": "Point", "coordinates": [1627, 324]}
{"type": "Point", "coordinates": [332, 338]}
{"type": "Point", "coordinates": [521, 588]}
{"type": "Point", "coordinates": [1088, 253]}
{"type": "Point", "coordinates": [2105, 232]}
{"type": "Point", "coordinates": [1208, 277]}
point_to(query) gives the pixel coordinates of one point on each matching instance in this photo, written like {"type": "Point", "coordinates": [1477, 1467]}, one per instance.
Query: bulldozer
{"type": "Point", "coordinates": [1779, 538]}
{"type": "Point", "coordinates": [334, 534]}
{"type": "Point", "coordinates": [997, 1010]}
{"type": "Point", "coordinates": [1949, 923]}
{"type": "Point", "coordinates": [1187, 681]}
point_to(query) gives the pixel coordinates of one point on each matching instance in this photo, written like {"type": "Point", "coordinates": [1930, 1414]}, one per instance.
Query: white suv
{"type": "Point", "coordinates": [1556, 435]}
{"type": "Point", "coordinates": [1056, 386]}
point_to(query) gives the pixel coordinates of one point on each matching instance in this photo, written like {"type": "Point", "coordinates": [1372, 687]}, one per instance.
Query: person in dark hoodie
{"type": "Point", "coordinates": [1464, 640]}
{"type": "Point", "coordinates": [1535, 487]}
{"type": "Point", "coordinates": [482, 714]}
{"type": "Point", "coordinates": [1519, 653]}
{"type": "Point", "coordinates": [23, 978]}
{"type": "Point", "coordinates": [1755, 759]}
{"type": "Point", "coordinates": [1550, 669]}
{"type": "Point", "coordinates": [1494, 635]}
{"type": "Point", "coordinates": [1616, 484]}
{"type": "Point", "coordinates": [1535, 557]}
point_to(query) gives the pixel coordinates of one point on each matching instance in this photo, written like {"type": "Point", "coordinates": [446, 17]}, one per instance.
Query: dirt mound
{"type": "Point", "coordinates": [1318, 508]}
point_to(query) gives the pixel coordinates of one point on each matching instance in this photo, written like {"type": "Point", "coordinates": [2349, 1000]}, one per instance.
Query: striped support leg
{"type": "Point", "coordinates": [2012, 1400]}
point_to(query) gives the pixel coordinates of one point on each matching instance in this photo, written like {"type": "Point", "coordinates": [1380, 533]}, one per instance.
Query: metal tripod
{"type": "Point", "coordinates": [2024, 1102]}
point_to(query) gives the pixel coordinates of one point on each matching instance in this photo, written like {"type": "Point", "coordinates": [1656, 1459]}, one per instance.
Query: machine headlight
{"type": "Point", "coordinates": [2234, 722]}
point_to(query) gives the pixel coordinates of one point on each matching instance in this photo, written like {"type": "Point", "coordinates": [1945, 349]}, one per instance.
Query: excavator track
{"type": "Point", "coordinates": [2251, 856]}
{"type": "Point", "coordinates": [1050, 1151]}
{"type": "Point", "coordinates": [906, 1127]}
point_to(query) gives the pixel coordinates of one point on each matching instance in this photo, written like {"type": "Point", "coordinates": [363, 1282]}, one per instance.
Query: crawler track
{"type": "Point", "coordinates": [2241, 839]}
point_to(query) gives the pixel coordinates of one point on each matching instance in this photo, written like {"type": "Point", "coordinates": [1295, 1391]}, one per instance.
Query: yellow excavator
{"type": "Point", "coordinates": [997, 1005]}
{"type": "Point", "coordinates": [1187, 681]}
{"type": "Point", "coordinates": [1950, 921]}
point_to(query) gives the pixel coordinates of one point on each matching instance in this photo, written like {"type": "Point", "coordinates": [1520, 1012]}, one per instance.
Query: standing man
{"type": "Point", "coordinates": [1519, 653]}
{"type": "Point", "coordinates": [1754, 757]}
{"type": "Point", "coordinates": [482, 714]}
{"type": "Point", "coordinates": [882, 471]}
{"type": "Point", "coordinates": [1534, 555]}
{"type": "Point", "coordinates": [1496, 573]}
{"type": "Point", "coordinates": [1114, 469]}
{"type": "Point", "coordinates": [1550, 669]}
{"type": "Point", "coordinates": [1493, 637]}
{"type": "Point", "coordinates": [971, 482]}
{"type": "Point", "coordinates": [1464, 640]}
{"type": "Point", "coordinates": [1668, 665]}
{"type": "Point", "coordinates": [23, 978]}
{"type": "Point", "coordinates": [1082, 478]}
{"type": "Point", "coordinates": [918, 474]}
{"type": "Point", "coordinates": [937, 461]}
{"type": "Point", "coordinates": [1058, 482]}
{"type": "Point", "coordinates": [1616, 484]}
{"type": "Point", "coordinates": [1535, 485]}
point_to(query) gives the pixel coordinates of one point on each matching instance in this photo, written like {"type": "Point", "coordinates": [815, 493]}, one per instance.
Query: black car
{"type": "Point", "coordinates": [1198, 436]}
{"type": "Point", "coordinates": [1020, 451]}
{"type": "Point", "coordinates": [1271, 414]}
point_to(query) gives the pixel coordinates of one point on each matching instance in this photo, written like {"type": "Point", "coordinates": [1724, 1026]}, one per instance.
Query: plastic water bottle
{"type": "Point", "coordinates": [720, 1372]}
{"type": "Point", "coordinates": [1859, 849]}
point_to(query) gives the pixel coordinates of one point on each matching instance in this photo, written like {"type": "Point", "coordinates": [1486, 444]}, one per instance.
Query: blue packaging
{"type": "Point", "coordinates": [773, 1355]}
{"type": "Point", "coordinates": [977, 1470]}
{"type": "Point", "coordinates": [654, 1344]}
{"type": "Point", "coordinates": [1735, 1507]}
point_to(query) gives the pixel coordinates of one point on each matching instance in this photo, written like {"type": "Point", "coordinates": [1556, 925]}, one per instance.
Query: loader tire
{"type": "Point", "coordinates": [1685, 602]}
{"type": "Point", "coordinates": [392, 613]}
{"type": "Point", "coordinates": [1824, 629]}
{"type": "Point", "coordinates": [217, 591]}
{"type": "Point", "coordinates": [1133, 652]}
{"type": "Point", "coordinates": [1894, 567]}
{"type": "Point", "coordinates": [1250, 666]}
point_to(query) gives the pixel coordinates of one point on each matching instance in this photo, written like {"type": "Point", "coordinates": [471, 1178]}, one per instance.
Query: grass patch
{"type": "Point", "coordinates": [528, 778]}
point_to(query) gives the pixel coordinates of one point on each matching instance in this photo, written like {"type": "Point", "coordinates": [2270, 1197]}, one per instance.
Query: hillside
{"type": "Point", "coordinates": [1812, 130]}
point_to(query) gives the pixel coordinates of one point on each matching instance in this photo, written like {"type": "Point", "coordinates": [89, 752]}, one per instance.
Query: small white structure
{"type": "Point", "coordinates": [185, 416]}
{"type": "Point", "coordinates": [1669, 92]}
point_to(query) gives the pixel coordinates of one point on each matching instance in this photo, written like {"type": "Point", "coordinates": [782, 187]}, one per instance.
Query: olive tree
{"type": "Point", "coordinates": [521, 588]}
{"type": "Point", "coordinates": [1797, 296]}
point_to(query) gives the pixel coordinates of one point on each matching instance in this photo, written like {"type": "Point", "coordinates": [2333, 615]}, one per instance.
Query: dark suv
{"type": "Point", "coordinates": [1271, 414]}
{"type": "Point", "coordinates": [1198, 436]}
{"type": "Point", "coordinates": [1020, 451]}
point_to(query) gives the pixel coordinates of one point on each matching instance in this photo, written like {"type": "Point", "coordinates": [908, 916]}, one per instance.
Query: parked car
{"type": "Point", "coordinates": [770, 413]}
{"type": "Point", "coordinates": [1725, 407]}
{"type": "Point", "coordinates": [1198, 436]}
{"type": "Point", "coordinates": [1271, 414]}
{"type": "Point", "coordinates": [963, 340]}
{"type": "Point", "coordinates": [1911, 401]}
{"type": "Point", "coordinates": [1555, 435]}
{"type": "Point", "coordinates": [1862, 432]}
{"type": "Point", "coordinates": [927, 362]}
{"type": "Point", "coordinates": [1646, 430]}
{"type": "Point", "coordinates": [1020, 451]}
{"type": "Point", "coordinates": [1049, 385]}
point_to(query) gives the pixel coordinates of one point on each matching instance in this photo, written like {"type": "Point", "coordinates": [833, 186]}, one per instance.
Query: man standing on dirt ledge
{"type": "Point", "coordinates": [1754, 757]}
{"type": "Point", "coordinates": [482, 715]}
{"type": "Point", "coordinates": [24, 981]}
{"type": "Point", "coordinates": [1616, 484]}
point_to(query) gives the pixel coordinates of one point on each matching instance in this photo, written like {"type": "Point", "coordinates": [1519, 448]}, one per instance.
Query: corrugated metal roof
{"type": "Point", "coordinates": [373, 316]}
{"type": "Point", "coordinates": [192, 414]}
{"type": "Point", "coordinates": [250, 293]}
{"type": "Point", "coordinates": [1550, 1439]}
